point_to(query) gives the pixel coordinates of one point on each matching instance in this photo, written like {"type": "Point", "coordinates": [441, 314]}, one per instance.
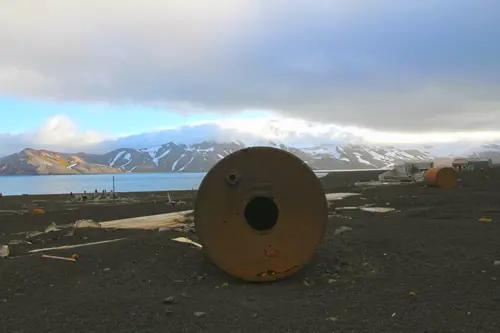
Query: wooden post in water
{"type": "Point", "coordinates": [114, 189]}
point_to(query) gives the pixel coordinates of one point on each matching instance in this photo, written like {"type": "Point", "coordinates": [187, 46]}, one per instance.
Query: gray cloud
{"type": "Point", "coordinates": [387, 65]}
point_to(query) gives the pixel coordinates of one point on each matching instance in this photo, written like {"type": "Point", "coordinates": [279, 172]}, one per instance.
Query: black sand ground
{"type": "Point", "coordinates": [428, 267]}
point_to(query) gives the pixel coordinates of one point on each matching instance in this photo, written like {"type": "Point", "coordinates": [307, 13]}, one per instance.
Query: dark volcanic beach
{"type": "Point", "coordinates": [429, 266]}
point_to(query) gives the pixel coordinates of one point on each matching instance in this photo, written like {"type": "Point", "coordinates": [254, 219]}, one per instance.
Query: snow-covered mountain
{"type": "Point", "coordinates": [296, 133]}
{"type": "Point", "coordinates": [197, 147]}
{"type": "Point", "coordinates": [174, 157]}
{"type": "Point", "coordinates": [200, 157]}
{"type": "Point", "coordinates": [171, 157]}
{"type": "Point", "coordinates": [259, 131]}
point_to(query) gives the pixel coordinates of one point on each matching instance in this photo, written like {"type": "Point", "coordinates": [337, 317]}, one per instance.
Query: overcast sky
{"type": "Point", "coordinates": [385, 65]}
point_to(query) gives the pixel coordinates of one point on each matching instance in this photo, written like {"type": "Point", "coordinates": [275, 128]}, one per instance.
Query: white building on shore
{"type": "Point", "coordinates": [406, 171]}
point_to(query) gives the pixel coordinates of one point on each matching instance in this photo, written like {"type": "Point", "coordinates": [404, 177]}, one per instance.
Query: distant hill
{"type": "Point", "coordinates": [177, 157]}
{"type": "Point", "coordinates": [42, 162]}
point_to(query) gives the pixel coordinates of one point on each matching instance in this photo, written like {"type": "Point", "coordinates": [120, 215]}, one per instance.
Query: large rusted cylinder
{"type": "Point", "coordinates": [444, 177]}
{"type": "Point", "coordinates": [260, 214]}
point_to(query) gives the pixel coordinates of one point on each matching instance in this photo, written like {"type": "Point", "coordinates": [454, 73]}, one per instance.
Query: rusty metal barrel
{"type": "Point", "coordinates": [260, 214]}
{"type": "Point", "coordinates": [444, 177]}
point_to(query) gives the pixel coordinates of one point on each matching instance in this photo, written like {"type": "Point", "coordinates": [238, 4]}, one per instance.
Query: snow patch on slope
{"type": "Point", "coordinates": [157, 159]}
{"type": "Point", "coordinates": [128, 158]}
{"type": "Point", "coordinates": [174, 165]}
{"type": "Point", "coordinates": [151, 151]}
{"type": "Point", "coordinates": [360, 159]}
{"type": "Point", "coordinates": [117, 157]}
{"type": "Point", "coordinates": [185, 166]}
{"type": "Point", "coordinates": [334, 151]}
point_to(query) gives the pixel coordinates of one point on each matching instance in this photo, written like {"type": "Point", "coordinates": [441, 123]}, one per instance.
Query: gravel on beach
{"type": "Point", "coordinates": [430, 265]}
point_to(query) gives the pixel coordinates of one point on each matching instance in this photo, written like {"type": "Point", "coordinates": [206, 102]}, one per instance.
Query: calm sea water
{"type": "Point", "coordinates": [129, 182]}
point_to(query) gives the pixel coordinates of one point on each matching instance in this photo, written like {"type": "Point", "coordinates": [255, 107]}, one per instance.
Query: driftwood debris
{"type": "Point", "coordinates": [58, 258]}
{"type": "Point", "coordinates": [170, 220]}
{"type": "Point", "coordinates": [65, 247]}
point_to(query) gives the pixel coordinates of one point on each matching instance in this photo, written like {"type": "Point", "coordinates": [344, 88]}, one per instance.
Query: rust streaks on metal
{"type": "Point", "coordinates": [272, 221]}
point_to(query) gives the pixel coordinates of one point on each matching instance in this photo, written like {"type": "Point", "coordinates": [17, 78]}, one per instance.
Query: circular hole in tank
{"type": "Point", "coordinates": [261, 213]}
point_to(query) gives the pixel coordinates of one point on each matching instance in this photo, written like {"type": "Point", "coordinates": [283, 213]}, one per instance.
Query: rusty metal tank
{"type": "Point", "coordinates": [444, 177]}
{"type": "Point", "coordinates": [260, 214]}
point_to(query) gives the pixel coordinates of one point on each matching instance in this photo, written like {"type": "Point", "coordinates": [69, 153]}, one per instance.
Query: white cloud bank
{"type": "Point", "coordinates": [60, 133]}
{"type": "Point", "coordinates": [386, 65]}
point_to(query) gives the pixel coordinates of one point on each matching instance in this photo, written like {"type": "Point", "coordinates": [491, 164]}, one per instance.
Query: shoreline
{"type": "Point", "coordinates": [176, 172]}
{"type": "Point", "coordinates": [101, 174]}
{"type": "Point", "coordinates": [412, 262]}
{"type": "Point", "coordinates": [66, 196]}
{"type": "Point", "coordinates": [179, 182]}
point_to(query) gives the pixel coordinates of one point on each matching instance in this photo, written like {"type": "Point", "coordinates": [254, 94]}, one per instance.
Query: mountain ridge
{"type": "Point", "coordinates": [196, 147]}
{"type": "Point", "coordinates": [200, 157]}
